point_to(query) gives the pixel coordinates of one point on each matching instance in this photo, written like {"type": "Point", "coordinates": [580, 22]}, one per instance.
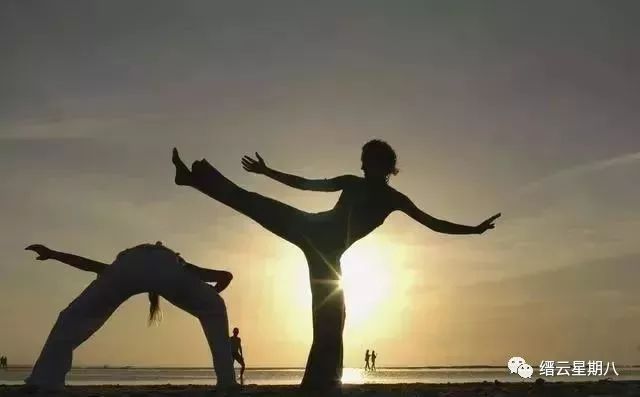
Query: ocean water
{"type": "Point", "coordinates": [181, 376]}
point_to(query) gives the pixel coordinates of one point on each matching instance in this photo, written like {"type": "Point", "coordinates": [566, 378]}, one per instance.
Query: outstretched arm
{"type": "Point", "coordinates": [406, 205]}
{"type": "Point", "coordinates": [319, 185]}
{"type": "Point", "coordinates": [76, 261]}
{"type": "Point", "coordinates": [220, 277]}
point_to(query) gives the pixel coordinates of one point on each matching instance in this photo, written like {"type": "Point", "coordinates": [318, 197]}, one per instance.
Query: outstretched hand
{"type": "Point", "coordinates": [256, 166]}
{"type": "Point", "coordinates": [488, 223]}
{"type": "Point", "coordinates": [43, 252]}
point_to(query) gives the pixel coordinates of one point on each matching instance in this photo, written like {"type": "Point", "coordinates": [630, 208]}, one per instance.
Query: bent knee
{"type": "Point", "coordinates": [210, 302]}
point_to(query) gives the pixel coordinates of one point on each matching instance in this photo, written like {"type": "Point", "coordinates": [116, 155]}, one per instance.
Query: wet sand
{"type": "Point", "coordinates": [550, 389]}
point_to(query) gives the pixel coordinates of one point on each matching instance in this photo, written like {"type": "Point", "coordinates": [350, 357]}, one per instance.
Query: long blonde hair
{"type": "Point", "coordinates": [155, 314]}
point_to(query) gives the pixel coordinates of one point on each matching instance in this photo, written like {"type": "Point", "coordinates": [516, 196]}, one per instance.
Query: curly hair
{"type": "Point", "coordinates": [379, 154]}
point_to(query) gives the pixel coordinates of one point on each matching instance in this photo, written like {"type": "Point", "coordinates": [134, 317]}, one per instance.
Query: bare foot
{"type": "Point", "coordinates": [183, 175]}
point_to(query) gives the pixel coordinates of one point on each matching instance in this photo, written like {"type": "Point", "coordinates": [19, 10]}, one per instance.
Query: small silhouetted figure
{"type": "Point", "coordinates": [3, 362]}
{"type": "Point", "coordinates": [364, 204]}
{"type": "Point", "coordinates": [373, 360]}
{"type": "Point", "coordinates": [236, 350]}
{"type": "Point", "coordinates": [366, 360]}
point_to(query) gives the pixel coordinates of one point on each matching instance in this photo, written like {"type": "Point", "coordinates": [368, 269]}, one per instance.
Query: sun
{"type": "Point", "coordinates": [370, 281]}
{"type": "Point", "coordinates": [366, 281]}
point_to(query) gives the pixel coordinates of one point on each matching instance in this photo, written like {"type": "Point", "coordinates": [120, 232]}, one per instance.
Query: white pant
{"type": "Point", "coordinates": [138, 270]}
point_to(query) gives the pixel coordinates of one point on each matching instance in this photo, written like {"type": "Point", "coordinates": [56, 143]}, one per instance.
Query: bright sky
{"type": "Point", "coordinates": [529, 108]}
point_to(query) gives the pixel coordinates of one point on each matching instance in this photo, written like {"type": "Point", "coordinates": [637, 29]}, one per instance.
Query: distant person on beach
{"type": "Point", "coordinates": [236, 351]}
{"type": "Point", "coordinates": [363, 205]}
{"type": "Point", "coordinates": [373, 360]}
{"type": "Point", "coordinates": [3, 362]}
{"type": "Point", "coordinates": [366, 360]}
{"type": "Point", "coordinates": [150, 268]}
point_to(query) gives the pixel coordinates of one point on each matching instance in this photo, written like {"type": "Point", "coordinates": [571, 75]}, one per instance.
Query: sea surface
{"type": "Point", "coordinates": [182, 376]}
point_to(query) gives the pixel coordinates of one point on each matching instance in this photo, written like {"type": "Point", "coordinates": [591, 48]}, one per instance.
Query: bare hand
{"type": "Point", "coordinates": [488, 224]}
{"type": "Point", "coordinates": [43, 252]}
{"type": "Point", "coordinates": [255, 166]}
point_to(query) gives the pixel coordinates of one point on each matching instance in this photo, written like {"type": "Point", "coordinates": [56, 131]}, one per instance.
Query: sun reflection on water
{"type": "Point", "coordinates": [352, 376]}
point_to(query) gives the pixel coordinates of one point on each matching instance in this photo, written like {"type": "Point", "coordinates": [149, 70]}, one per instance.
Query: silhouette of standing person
{"type": "Point", "coordinates": [3, 362]}
{"type": "Point", "coordinates": [366, 361]}
{"type": "Point", "coordinates": [144, 268]}
{"type": "Point", "coordinates": [363, 205]}
{"type": "Point", "coordinates": [236, 351]}
{"type": "Point", "coordinates": [373, 360]}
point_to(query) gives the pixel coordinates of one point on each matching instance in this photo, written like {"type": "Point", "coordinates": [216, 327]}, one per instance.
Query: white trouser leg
{"type": "Point", "coordinates": [158, 271]}
{"type": "Point", "coordinates": [75, 324]}
{"type": "Point", "coordinates": [139, 271]}
{"type": "Point", "coordinates": [202, 301]}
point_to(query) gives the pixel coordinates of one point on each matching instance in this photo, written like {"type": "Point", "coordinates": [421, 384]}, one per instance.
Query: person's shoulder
{"type": "Point", "coordinates": [396, 197]}
{"type": "Point", "coordinates": [349, 178]}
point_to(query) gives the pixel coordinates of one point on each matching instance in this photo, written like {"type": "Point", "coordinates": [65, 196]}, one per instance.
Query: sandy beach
{"type": "Point", "coordinates": [550, 389]}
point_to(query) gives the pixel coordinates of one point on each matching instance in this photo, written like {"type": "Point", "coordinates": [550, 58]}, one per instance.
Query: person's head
{"type": "Point", "coordinates": [378, 160]}
{"type": "Point", "coordinates": [236, 331]}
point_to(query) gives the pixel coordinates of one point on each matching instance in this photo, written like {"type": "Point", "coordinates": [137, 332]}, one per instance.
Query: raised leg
{"type": "Point", "coordinates": [281, 219]}
{"type": "Point", "coordinates": [75, 324]}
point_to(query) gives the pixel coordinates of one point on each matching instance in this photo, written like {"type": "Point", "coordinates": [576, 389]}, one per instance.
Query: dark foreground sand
{"type": "Point", "coordinates": [556, 389]}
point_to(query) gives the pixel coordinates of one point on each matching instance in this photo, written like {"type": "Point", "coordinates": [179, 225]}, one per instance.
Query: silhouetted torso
{"type": "Point", "coordinates": [235, 344]}
{"type": "Point", "coordinates": [362, 207]}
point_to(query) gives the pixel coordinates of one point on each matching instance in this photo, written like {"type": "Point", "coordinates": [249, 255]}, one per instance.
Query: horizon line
{"type": "Point", "coordinates": [299, 368]}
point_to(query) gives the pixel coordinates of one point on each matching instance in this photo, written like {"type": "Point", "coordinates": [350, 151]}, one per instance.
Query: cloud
{"type": "Point", "coordinates": [575, 171]}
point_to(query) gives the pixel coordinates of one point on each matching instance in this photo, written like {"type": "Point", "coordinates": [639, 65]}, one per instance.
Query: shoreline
{"type": "Point", "coordinates": [487, 389]}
